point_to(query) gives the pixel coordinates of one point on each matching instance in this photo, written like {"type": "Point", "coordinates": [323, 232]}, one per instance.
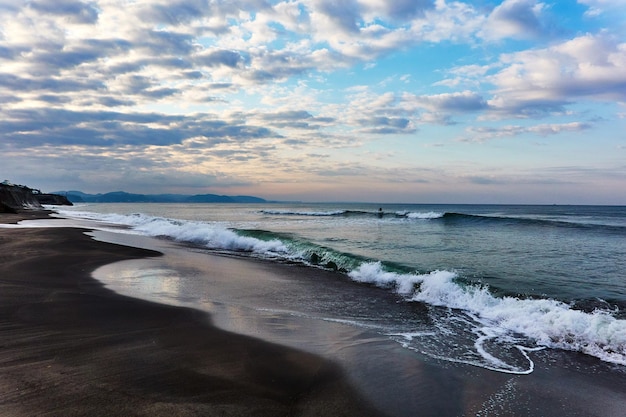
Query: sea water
{"type": "Point", "coordinates": [484, 285]}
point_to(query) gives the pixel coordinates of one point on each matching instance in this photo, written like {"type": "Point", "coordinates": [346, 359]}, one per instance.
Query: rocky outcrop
{"type": "Point", "coordinates": [53, 199]}
{"type": "Point", "coordinates": [14, 198]}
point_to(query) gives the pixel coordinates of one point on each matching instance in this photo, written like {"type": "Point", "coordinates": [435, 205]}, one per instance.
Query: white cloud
{"type": "Point", "coordinates": [449, 102]}
{"type": "Point", "coordinates": [400, 10]}
{"type": "Point", "coordinates": [449, 22]}
{"type": "Point", "coordinates": [514, 18]}
{"type": "Point", "coordinates": [440, 108]}
{"type": "Point", "coordinates": [539, 81]}
{"type": "Point", "coordinates": [600, 7]}
{"type": "Point", "coordinates": [219, 86]}
{"type": "Point", "coordinates": [466, 75]}
{"type": "Point", "coordinates": [482, 134]}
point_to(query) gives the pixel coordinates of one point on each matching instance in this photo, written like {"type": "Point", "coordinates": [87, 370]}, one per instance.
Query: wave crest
{"type": "Point", "coordinates": [420, 215]}
{"type": "Point", "coordinates": [546, 322]}
{"type": "Point", "coordinates": [304, 213]}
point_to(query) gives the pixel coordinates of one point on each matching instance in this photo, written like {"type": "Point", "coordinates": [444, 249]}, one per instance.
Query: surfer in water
{"type": "Point", "coordinates": [380, 212]}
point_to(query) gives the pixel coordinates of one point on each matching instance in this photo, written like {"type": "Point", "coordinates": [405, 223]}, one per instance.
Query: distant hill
{"type": "Point", "coordinates": [124, 197]}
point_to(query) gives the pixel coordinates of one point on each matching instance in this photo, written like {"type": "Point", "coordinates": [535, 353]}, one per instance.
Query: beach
{"type": "Point", "coordinates": [71, 346]}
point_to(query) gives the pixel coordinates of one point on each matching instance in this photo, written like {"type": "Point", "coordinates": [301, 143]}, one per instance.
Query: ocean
{"type": "Point", "coordinates": [484, 285]}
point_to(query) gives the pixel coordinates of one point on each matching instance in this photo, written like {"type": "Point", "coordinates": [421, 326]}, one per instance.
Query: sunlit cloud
{"type": "Point", "coordinates": [279, 96]}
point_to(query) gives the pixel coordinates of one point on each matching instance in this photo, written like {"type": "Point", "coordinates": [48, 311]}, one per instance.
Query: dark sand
{"type": "Point", "coordinates": [70, 347]}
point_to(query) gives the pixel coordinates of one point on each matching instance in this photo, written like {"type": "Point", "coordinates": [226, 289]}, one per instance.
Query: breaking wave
{"type": "Point", "coordinates": [545, 322]}
{"type": "Point", "coordinates": [494, 321]}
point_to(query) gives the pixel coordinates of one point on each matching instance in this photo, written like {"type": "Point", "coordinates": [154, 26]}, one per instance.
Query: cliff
{"type": "Point", "coordinates": [53, 199]}
{"type": "Point", "coordinates": [14, 198]}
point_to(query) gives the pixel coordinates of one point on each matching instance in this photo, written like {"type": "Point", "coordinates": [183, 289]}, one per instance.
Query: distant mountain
{"type": "Point", "coordinates": [124, 197]}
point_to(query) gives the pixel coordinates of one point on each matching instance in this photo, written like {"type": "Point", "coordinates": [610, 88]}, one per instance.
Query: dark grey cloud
{"type": "Point", "coordinates": [484, 133]}
{"type": "Point", "coordinates": [395, 122]}
{"type": "Point", "coordinates": [261, 76]}
{"type": "Point", "coordinates": [318, 155]}
{"type": "Point", "coordinates": [386, 125]}
{"type": "Point", "coordinates": [518, 11]}
{"type": "Point", "coordinates": [175, 12]}
{"type": "Point", "coordinates": [125, 67]}
{"type": "Point", "coordinates": [109, 101]}
{"type": "Point", "coordinates": [73, 10]}
{"type": "Point", "coordinates": [615, 86]}
{"type": "Point", "coordinates": [9, 6]}
{"type": "Point", "coordinates": [463, 103]}
{"type": "Point", "coordinates": [485, 180]}
{"type": "Point", "coordinates": [342, 171]}
{"type": "Point", "coordinates": [278, 66]}
{"type": "Point", "coordinates": [10, 53]}
{"type": "Point", "coordinates": [529, 108]}
{"type": "Point", "coordinates": [453, 102]}
{"type": "Point", "coordinates": [403, 10]}
{"type": "Point", "coordinates": [295, 125]}
{"type": "Point", "coordinates": [55, 60]}
{"type": "Point", "coordinates": [173, 62]}
{"type": "Point", "coordinates": [134, 65]}
{"type": "Point", "coordinates": [160, 93]}
{"type": "Point", "coordinates": [56, 85]}
{"type": "Point", "coordinates": [238, 155]}
{"type": "Point", "coordinates": [215, 58]}
{"type": "Point", "coordinates": [54, 98]}
{"type": "Point", "coordinates": [147, 87]}
{"type": "Point", "coordinates": [32, 128]}
{"type": "Point", "coordinates": [524, 19]}
{"type": "Point", "coordinates": [295, 119]}
{"type": "Point", "coordinates": [192, 75]}
{"type": "Point", "coordinates": [107, 45]}
{"type": "Point", "coordinates": [181, 12]}
{"type": "Point", "coordinates": [221, 86]}
{"type": "Point", "coordinates": [8, 99]}
{"type": "Point", "coordinates": [135, 84]}
{"type": "Point", "coordinates": [345, 14]}
{"type": "Point", "coordinates": [287, 115]}
{"type": "Point", "coordinates": [48, 59]}
{"type": "Point", "coordinates": [161, 42]}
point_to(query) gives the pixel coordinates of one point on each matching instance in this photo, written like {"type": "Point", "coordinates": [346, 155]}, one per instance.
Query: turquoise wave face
{"type": "Point", "coordinates": [307, 252]}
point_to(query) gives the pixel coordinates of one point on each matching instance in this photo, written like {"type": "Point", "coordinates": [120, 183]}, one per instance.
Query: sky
{"type": "Point", "coordinates": [414, 101]}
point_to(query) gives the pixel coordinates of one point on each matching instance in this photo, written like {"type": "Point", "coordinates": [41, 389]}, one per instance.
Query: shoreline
{"type": "Point", "coordinates": [393, 378]}
{"type": "Point", "coordinates": [72, 347]}
{"type": "Point", "coordinates": [69, 345]}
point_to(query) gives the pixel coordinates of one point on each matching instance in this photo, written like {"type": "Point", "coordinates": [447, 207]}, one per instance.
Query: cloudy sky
{"type": "Point", "coordinates": [515, 101]}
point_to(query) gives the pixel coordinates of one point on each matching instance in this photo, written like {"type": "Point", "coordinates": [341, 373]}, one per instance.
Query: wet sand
{"type": "Point", "coordinates": [70, 347]}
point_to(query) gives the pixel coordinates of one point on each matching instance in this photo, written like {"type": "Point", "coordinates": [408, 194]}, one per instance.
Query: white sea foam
{"type": "Point", "coordinates": [404, 284]}
{"type": "Point", "coordinates": [212, 236]}
{"type": "Point", "coordinates": [304, 213]}
{"type": "Point", "coordinates": [420, 215]}
{"type": "Point", "coordinates": [546, 322]}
